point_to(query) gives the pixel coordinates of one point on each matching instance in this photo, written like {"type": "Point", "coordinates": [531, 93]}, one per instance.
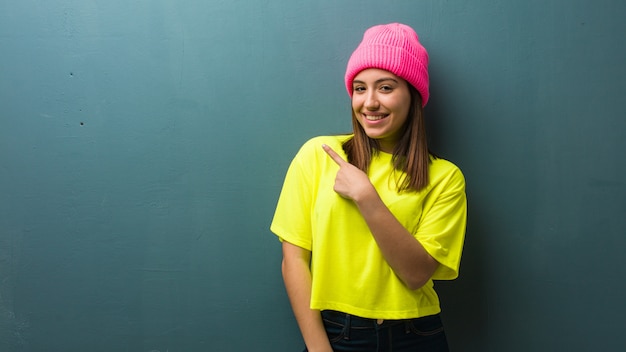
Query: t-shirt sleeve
{"type": "Point", "coordinates": [292, 218]}
{"type": "Point", "coordinates": [442, 227]}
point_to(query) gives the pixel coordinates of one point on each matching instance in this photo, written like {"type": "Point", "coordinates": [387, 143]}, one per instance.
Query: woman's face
{"type": "Point", "coordinates": [381, 103]}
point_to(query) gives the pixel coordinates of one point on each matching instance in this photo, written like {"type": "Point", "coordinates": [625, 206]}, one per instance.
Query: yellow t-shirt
{"type": "Point", "coordinates": [348, 270]}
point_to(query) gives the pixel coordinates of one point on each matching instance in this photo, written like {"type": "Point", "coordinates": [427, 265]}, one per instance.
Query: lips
{"type": "Point", "coordinates": [375, 117]}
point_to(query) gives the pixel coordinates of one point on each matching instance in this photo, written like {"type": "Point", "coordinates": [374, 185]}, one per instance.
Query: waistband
{"type": "Point", "coordinates": [356, 322]}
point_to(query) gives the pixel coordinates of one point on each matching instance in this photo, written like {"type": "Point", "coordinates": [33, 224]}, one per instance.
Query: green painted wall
{"type": "Point", "coordinates": [143, 146]}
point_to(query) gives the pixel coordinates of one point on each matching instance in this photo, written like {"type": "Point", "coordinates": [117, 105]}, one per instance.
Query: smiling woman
{"type": "Point", "coordinates": [380, 103]}
{"type": "Point", "coordinates": [368, 220]}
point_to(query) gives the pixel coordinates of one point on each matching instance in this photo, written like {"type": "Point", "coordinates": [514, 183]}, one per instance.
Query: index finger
{"type": "Point", "coordinates": [336, 157]}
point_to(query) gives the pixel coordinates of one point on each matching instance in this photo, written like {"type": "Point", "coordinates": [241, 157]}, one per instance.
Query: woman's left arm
{"type": "Point", "coordinates": [404, 253]}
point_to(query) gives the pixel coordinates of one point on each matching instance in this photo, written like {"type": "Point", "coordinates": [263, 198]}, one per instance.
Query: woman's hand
{"type": "Point", "coordinates": [350, 182]}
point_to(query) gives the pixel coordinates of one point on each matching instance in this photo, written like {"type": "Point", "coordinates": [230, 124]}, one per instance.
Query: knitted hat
{"type": "Point", "coordinates": [393, 47]}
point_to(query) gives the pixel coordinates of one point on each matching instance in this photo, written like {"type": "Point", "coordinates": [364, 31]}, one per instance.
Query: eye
{"type": "Point", "coordinates": [386, 88]}
{"type": "Point", "coordinates": [358, 89]}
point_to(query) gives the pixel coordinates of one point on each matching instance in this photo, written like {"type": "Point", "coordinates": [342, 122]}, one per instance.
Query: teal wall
{"type": "Point", "coordinates": [143, 146]}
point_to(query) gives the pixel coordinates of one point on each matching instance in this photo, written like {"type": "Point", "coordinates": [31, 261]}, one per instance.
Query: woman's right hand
{"type": "Point", "coordinates": [297, 277]}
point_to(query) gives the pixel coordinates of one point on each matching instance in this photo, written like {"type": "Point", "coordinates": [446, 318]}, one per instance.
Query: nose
{"type": "Point", "coordinates": [371, 101]}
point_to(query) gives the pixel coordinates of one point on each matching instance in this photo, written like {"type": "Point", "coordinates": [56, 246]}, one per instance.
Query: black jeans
{"type": "Point", "coordinates": [350, 333]}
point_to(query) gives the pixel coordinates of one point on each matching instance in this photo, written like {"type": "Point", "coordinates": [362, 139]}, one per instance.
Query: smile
{"type": "Point", "coordinates": [374, 117]}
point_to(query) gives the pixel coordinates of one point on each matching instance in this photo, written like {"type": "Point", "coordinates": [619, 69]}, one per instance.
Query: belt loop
{"type": "Point", "coordinates": [407, 326]}
{"type": "Point", "coordinates": [347, 327]}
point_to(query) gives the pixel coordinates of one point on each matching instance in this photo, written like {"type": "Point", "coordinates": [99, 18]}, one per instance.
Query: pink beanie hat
{"type": "Point", "coordinates": [393, 47]}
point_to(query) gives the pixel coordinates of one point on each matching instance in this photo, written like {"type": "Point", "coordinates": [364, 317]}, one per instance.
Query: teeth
{"type": "Point", "coordinates": [375, 117]}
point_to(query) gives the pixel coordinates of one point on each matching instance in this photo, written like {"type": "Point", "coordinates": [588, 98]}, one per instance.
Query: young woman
{"type": "Point", "coordinates": [368, 220]}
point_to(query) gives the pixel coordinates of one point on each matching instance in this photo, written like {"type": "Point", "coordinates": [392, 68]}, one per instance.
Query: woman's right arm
{"type": "Point", "coordinates": [297, 277]}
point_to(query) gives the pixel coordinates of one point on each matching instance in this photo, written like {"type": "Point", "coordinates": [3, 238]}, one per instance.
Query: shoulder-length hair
{"type": "Point", "coordinates": [410, 154]}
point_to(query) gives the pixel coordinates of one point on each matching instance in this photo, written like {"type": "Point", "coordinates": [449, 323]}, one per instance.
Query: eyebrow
{"type": "Point", "coordinates": [378, 81]}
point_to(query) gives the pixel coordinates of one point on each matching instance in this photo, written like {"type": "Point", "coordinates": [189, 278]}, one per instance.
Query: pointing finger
{"type": "Point", "coordinates": [338, 159]}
